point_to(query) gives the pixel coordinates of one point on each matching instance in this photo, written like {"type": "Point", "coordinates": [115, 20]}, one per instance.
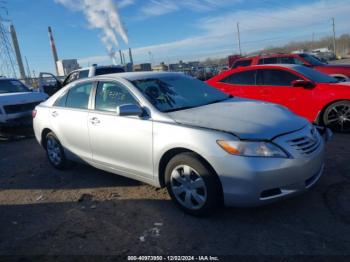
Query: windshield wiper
{"type": "Point", "coordinates": [178, 109]}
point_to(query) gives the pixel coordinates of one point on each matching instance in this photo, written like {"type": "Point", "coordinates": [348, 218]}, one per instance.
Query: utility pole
{"type": "Point", "coordinates": [312, 40]}
{"type": "Point", "coordinates": [239, 39]}
{"type": "Point", "coordinates": [334, 41]}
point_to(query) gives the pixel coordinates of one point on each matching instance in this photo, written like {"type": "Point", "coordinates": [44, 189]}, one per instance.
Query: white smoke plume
{"type": "Point", "coordinates": [104, 15]}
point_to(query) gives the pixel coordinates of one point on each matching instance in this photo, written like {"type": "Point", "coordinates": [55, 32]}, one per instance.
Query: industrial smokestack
{"type": "Point", "coordinates": [121, 57]}
{"type": "Point", "coordinates": [53, 48]}
{"type": "Point", "coordinates": [130, 56]}
{"type": "Point", "coordinates": [18, 52]}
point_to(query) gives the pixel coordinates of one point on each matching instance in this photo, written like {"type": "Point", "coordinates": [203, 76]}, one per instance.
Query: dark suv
{"type": "Point", "coordinates": [50, 84]}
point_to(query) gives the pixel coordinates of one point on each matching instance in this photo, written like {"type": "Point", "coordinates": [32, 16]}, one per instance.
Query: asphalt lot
{"type": "Point", "coordinates": [84, 211]}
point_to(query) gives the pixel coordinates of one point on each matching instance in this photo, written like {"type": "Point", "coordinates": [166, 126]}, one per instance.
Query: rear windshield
{"type": "Point", "coordinates": [314, 75]}
{"type": "Point", "coordinates": [312, 59]}
{"type": "Point", "coordinates": [12, 86]}
{"type": "Point", "coordinates": [108, 70]}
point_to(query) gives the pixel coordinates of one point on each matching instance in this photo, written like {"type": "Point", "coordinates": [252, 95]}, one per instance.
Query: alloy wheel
{"type": "Point", "coordinates": [338, 117]}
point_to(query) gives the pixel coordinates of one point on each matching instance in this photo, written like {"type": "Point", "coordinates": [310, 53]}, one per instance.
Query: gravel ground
{"type": "Point", "coordinates": [84, 211]}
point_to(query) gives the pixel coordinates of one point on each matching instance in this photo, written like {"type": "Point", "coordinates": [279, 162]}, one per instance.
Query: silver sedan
{"type": "Point", "coordinates": [170, 130]}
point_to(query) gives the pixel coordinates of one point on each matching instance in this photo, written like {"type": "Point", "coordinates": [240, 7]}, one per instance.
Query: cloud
{"type": "Point", "coordinates": [104, 15]}
{"type": "Point", "coordinates": [161, 7]}
{"type": "Point", "coordinates": [157, 8]}
{"type": "Point", "coordinates": [125, 3]}
{"type": "Point", "coordinates": [259, 28]}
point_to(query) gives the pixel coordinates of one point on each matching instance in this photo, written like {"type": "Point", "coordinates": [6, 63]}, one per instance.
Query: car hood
{"type": "Point", "coordinates": [247, 119]}
{"type": "Point", "coordinates": [22, 98]}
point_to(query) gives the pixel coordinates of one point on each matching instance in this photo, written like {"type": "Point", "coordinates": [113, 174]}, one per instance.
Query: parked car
{"type": "Point", "coordinates": [309, 93]}
{"type": "Point", "coordinates": [340, 72]}
{"type": "Point", "coordinates": [17, 102]}
{"type": "Point", "coordinates": [50, 84]}
{"type": "Point", "coordinates": [171, 130]}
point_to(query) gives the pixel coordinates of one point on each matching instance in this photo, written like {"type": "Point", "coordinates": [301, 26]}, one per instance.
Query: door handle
{"type": "Point", "coordinates": [95, 121]}
{"type": "Point", "coordinates": [54, 114]}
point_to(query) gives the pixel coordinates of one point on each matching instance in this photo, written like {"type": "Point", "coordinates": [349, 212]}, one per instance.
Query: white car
{"type": "Point", "coordinates": [17, 102]}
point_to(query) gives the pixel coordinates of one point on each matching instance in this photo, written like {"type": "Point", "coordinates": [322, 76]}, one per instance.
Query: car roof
{"type": "Point", "coordinates": [99, 66]}
{"type": "Point", "coordinates": [289, 66]}
{"type": "Point", "coordinates": [268, 55]}
{"type": "Point", "coordinates": [131, 76]}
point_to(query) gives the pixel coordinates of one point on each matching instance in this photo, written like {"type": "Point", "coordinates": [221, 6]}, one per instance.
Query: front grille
{"type": "Point", "coordinates": [306, 144]}
{"type": "Point", "coordinates": [13, 109]}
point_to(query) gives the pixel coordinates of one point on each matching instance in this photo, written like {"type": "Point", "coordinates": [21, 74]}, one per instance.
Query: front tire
{"type": "Point", "coordinates": [337, 116]}
{"type": "Point", "coordinates": [192, 184]}
{"type": "Point", "coordinates": [55, 152]}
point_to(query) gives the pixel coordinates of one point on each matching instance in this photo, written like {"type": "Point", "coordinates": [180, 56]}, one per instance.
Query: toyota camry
{"type": "Point", "coordinates": [171, 130]}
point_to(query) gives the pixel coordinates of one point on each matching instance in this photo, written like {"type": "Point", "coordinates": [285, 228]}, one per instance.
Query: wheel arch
{"type": "Point", "coordinates": [168, 155]}
{"type": "Point", "coordinates": [43, 136]}
{"type": "Point", "coordinates": [319, 119]}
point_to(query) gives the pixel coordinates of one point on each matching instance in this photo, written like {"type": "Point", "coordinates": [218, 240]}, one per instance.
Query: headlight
{"type": "Point", "coordinates": [247, 148]}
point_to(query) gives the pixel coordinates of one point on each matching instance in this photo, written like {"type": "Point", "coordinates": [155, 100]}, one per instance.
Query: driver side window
{"type": "Point", "coordinates": [275, 77]}
{"type": "Point", "coordinates": [110, 95]}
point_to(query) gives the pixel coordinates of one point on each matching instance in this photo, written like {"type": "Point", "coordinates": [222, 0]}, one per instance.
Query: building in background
{"type": "Point", "coordinates": [64, 67]}
{"type": "Point", "coordinates": [161, 67]}
{"type": "Point", "coordinates": [143, 67]}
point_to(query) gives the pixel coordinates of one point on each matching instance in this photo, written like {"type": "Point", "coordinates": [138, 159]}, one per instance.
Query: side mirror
{"type": "Point", "coordinates": [303, 83]}
{"type": "Point", "coordinates": [129, 110]}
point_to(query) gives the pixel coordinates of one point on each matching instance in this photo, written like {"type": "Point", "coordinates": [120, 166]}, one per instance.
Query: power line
{"type": "Point", "coordinates": [7, 60]}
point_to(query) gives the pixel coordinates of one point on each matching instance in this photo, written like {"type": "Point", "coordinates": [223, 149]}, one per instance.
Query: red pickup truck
{"type": "Point", "coordinates": [340, 72]}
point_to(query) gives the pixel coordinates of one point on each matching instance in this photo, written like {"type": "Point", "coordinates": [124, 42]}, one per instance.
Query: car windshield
{"type": "Point", "coordinates": [314, 75]}
{"type": "Point", "coordinates": [312, 60]}
{"type": "Point", "coordinates": [178, 92]}
{"type": "Point", "coordinates": [12, 86]}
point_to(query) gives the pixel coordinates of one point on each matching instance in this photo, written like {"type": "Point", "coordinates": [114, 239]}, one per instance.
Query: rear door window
{"type": "Point", "coordinates": [268, 60]}
{"type": "Point", "coordinates": [275, 77]}
{"type": "Point", "coordinates": [78, 96]}
{"type": "Point", "coordinates": [241, 78]}
{"type": "Point", "coordinates": [287, 60]}
{"type": "Point", "coordinates": [61, 101]}
{"type": "Point", "coordinates": [240, 63]}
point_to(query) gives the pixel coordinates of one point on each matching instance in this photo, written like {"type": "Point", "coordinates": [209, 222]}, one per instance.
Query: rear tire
{"type": "Point", "coordinates": [193, 185]}
{"type": "Point", "coordinates": [337, 116]}
{"type": "Point", "coordinates": [55, 152]}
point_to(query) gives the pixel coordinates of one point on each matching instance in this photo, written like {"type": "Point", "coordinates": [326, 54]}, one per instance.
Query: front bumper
{"type": "Point", "coordinates": [16, 120]}
{"type": "Point", "coordinates": [249, 181]}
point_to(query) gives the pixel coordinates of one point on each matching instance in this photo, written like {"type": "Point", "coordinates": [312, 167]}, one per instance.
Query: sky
{"type": "Point", "coordinates": [166, 30]}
